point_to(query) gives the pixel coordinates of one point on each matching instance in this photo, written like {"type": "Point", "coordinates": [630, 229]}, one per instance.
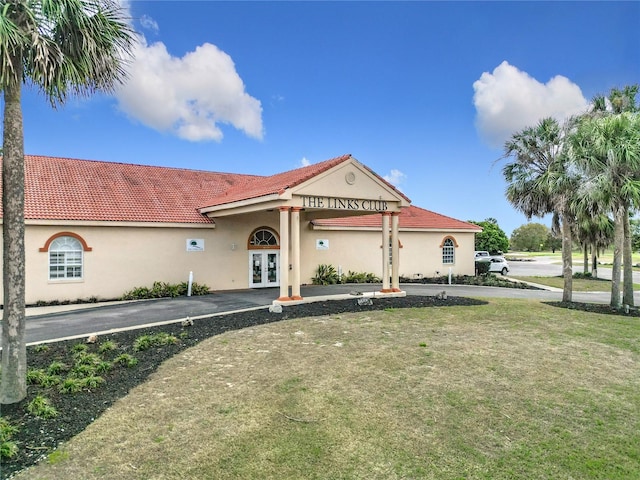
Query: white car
{"type": "Point", "coordinates": [482, 254]}
{"type": "Point", "coordinates": [499, 264]}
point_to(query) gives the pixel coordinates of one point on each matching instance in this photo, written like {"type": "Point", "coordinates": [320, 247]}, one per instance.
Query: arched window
{"type": "Point", "coordinates": [65, 258]}
{"type": "Point", "coordinates": [263, 237]}
{"type": "Point", "coordinates": [448, 251]}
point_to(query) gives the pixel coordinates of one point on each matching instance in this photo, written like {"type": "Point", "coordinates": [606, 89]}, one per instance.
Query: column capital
{"type": "Point", "coordinates": [284, 209]}
{"type": "Point", "coordinates": [395, 214]}
{"type": "Point", "coordinates": [296, 209]}
{"type": "Point", "coordinates": [386, 213]}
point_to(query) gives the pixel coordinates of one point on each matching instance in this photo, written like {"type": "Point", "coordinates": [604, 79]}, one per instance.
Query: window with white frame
{"type": "Point", "coordinates": [448, 251]}
{"type": "Point", "coordinates": [65, 259]}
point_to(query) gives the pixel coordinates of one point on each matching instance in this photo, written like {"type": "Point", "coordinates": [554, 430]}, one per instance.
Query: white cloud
{"type": "Point", "coordinates": [509, 100]}
{"type": "Point", "coordinates": [395, 178]}
{"type": "Point", "coordinates": [149, 23]}
{"type": "Point", "coordinates": [189, 96]}
{"type": "Point", "coordinates": [304, 162]}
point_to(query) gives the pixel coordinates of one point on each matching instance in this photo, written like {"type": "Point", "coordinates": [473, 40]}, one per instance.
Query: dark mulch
{"type": "Point", "coordinates": [595, 308]}
{"type": "Point", "coordinates": [38, 437]}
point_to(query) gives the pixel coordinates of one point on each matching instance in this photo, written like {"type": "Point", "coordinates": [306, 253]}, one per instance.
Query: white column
{"type": "Point", "coordinates": [385, 252]}
{"type": "Point", "coordinates": [295, 253]}
{"type": "Point", "coordinates": [284, 254]}
{"type": "Point", "coordinates": [395, 252]}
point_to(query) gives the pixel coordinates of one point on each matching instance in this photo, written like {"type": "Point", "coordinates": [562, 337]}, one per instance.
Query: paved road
{"type": "Point", "coordinates": [49, 326]}
{"type": "Point", "coordinates": [552, 266]}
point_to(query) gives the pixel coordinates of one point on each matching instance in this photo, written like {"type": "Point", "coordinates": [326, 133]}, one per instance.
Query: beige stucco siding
{"type": "Point", "coordinates": [120, 258]}
{"type": "Point", "coordinates": [360, 251]}
{"type": "Point", "coordinates": [124, 257]}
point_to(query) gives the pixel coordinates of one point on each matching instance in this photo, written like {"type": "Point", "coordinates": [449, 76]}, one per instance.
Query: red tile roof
{"type": "Point", "coordinates": [410, 218]}
{"type": "Point", "coordinates": [70, 189]}
{"type": "Point", "coordinates": [274, 184]}
{"type": "Point", "coordinates": [86, 190]}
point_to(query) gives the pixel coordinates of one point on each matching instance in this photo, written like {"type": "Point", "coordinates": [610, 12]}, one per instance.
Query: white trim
{"type": "Point", "coordinates": [241, 203]}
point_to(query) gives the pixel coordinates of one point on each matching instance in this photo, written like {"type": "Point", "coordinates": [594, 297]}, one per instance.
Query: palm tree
{"type": "Point", "coordinates": [61, 47]}
{"type": "Point", "coordinates": [541, 181]}
{"type": "Point", "coordinates": [608, 148]}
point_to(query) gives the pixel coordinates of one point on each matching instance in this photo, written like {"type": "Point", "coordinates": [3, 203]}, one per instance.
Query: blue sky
{"type": "Point", "coordinates": [424, 93]}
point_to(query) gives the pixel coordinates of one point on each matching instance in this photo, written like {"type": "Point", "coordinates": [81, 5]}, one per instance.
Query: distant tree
{"type": "Point", "coordinates": [552, 242]}
{"type": "Point", "coordinates": [492, 238]}
{"type": "Point", "coordinates": [530, 237]}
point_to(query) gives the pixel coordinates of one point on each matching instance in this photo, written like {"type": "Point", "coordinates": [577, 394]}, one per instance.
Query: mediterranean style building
{"type": "Point", "coordinates": [99, 229]}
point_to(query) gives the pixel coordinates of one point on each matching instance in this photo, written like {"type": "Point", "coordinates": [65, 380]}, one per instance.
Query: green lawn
{"type": "Point", "coordinates": [578, 284]}
{"type": "Point", "coordinates": [510, 389]}
{"type": "Point", "coordinates": [578, 258]}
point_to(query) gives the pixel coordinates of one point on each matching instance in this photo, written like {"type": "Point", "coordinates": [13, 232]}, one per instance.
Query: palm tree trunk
{"type": "Point", "coordinates": [585, 261]}
{"type": "Point", "coordinates": [627, 295]}
{"type": "Point", "coordinates": [618, 240]}
{"type": "Point", "coordinates": [14, 354]}
{"type": "Point", "coordinates": [567, 269]}
{"type": "Point", "coordinates": [594, 261]}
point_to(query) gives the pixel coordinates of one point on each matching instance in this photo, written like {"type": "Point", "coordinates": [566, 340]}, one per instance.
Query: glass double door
{"type": "Point", "coordinates": [264, 268]}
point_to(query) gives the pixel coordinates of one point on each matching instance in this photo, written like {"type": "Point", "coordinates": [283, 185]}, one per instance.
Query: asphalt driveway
{"type": "Point", "coordinates": [47, 324]}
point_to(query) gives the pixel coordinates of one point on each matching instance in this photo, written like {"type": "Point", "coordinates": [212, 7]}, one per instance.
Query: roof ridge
{"type": "Point", "coordinates": [141, 165]}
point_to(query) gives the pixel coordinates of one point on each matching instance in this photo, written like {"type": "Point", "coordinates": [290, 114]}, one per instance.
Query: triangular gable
{"type": "Point", "coordinates": [350, 180]}
{"type": "Point", "coordinates": [341, 185]}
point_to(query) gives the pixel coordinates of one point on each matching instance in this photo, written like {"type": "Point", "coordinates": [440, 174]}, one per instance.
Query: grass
{"type": "Point", "coordinates": [511, 389]}
{"type": "Point", "coordinates": [578, 284]}
{"type": "Point", "coordinates": [578, 257]}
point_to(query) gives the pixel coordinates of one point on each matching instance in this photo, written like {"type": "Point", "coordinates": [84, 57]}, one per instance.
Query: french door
{"type": "Point", "coordinates": [264, 268]}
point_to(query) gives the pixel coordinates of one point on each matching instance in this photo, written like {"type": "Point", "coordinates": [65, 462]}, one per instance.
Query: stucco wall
{"type": "Point", "coordinates": [124, 257]}
{"type": "Point", "coordinates": [360, 251]}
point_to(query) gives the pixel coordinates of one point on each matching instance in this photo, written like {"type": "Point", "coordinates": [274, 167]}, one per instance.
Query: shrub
{"type": "Point", "coordinates": [43, 347]}
{"type": "Point", "coordinates": [360, 277]}
{"type": "Point", "coordinates": [71, 385]}
{"type": "Point", "coordinates": [164, 290]}
{"type": "Point", "coordinates": [125, 360]}
{"type": "Point", "coordinates": [586, 275]}
{"type": "Point", "coordinates": [56, 368]}
{"type": "Point", "coordinates": [92, 382]}
{"type": "Point", "coordinates": [482, 267]}
{"type": "Point", "coordinates": [79, 348]}
{"type": "Point", "coordinates": [41, 407]}
{"type": "Point", "coordinates": [326, 275]}
{"type": "Point", "coordinates": [42, 378]}
{"type": "Point", "coordinates": [145, 342]}
{"type": "Point", "coordinates": [107, 346]}
{"type": "Point", "coordinates": [8, 448]}
{"type": "Point", "coordinates": [34, 376]}
{"type": "Point", "coordinates": [103, 367]}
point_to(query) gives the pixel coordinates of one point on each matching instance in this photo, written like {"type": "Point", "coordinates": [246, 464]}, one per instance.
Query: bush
{"type": "Point", "coordinates": [145, 342]}
{"type": "Point", "coordinates": [165, 290]}
{"type": "Point", "coordinates": [8, 448]}
{"type": "Point", "coordinates": [326, 275]}
{"type": "Point", "coordinates": [482, 267]}
{"type": "Point", "coordinates": [41, 407]}
{"type": "Point", "coordinates": [582, 275]}
{"type": "Point", "coordinates": [125, 360]}
{"type": "Point", "coordinates": [360, 277]}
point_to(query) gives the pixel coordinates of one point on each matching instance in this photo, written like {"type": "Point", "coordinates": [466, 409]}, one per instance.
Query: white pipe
{"type": "Point", "coordinates": [190, 283]}
{"type": "Point", "coordinates": [450, 275]}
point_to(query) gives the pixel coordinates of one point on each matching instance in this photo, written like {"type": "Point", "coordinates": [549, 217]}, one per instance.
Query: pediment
{"type": "Point", "coordinates": [348, 186]}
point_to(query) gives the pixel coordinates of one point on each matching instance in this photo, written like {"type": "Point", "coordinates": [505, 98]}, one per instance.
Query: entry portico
{"type": "Point", "coordinates": [338, 188]}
